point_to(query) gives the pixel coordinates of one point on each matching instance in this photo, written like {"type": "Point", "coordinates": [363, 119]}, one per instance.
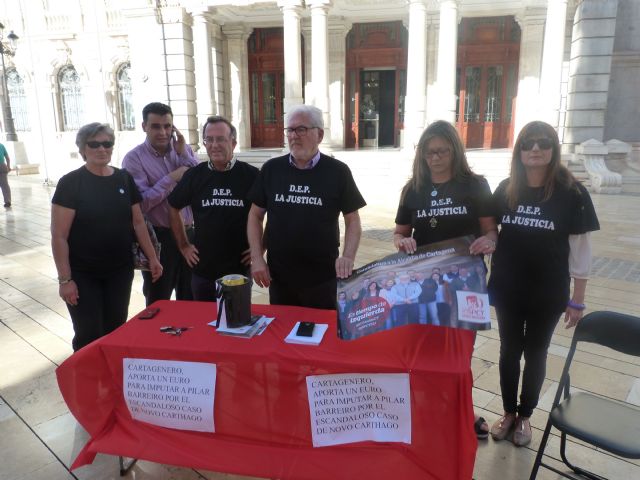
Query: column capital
{"type": "Point", "coordinates": [531, 16]}
{"type": "Point", "coordinates": [237, 30]}
{"type": "Point", "coordinates": [319, 4]}
{"type": "Point", "coordinates": [202, 14]}
{"type": "Point", "coordinates": [288, 5]}
{"type": "Point", "coordinates": [339, 26]}
{"type": "Point", "coordinates": [453, 3]}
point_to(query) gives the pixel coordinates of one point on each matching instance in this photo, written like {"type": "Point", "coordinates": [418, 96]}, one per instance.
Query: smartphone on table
{"type": "Point", "coordinates": [305, 329]}
{"type": "Point", "coordinates": [148, 313]}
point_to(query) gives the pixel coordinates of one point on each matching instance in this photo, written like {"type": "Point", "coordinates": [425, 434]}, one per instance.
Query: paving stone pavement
{"type": "Point", "coordinates": [39, 438]}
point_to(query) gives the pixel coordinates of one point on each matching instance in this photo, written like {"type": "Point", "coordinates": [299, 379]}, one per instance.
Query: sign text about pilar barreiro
{"type": "Point", "coordinates": [169, 393]}
{"type": "Point", "coordinates": [347, 408]}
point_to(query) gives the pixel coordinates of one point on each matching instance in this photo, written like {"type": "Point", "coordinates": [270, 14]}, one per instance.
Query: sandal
{"type": "Point", "coordinates": [481, 433]}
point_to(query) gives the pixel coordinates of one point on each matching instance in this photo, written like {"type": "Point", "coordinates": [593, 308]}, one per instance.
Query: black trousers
{"type": "Point", "coordinates": [176, 273]}
{"type": "Point", "coordinates": [103, 304]}
{"type": "Point", "coordinates": [323, 295]}
{"type": "Point", "coordinates": [528, 333]}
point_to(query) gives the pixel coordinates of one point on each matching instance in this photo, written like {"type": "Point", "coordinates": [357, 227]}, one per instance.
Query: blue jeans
{"type": "Point", "coordinates": [422, 313]}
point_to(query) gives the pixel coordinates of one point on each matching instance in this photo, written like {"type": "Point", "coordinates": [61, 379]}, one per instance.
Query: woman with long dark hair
{"type": "Point", "coordinates": [545, 217]}
{"type": "Point", "coordinates": [444, 199]}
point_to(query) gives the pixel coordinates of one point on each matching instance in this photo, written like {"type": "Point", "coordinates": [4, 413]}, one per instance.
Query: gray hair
{"type": "Point", "coordinates": [90, 130]}
{"type": "Point", "coordinates": [314, 114]}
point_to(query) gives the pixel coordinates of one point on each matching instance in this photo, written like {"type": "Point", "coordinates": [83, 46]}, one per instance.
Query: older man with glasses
{"type": "Point", "coordinates": [217, 192]}
{"type": "Point", "coordinates": [303, 193]}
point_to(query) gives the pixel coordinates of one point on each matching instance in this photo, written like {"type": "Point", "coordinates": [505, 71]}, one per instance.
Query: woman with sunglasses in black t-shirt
{"type": "Point", "coordinates": [545, 216]}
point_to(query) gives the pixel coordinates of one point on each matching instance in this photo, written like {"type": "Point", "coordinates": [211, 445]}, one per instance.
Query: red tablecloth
{"type": "Point", "coordinates": [261, 407]}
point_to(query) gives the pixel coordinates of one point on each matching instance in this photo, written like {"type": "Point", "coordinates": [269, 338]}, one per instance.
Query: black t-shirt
{"type": "Point", "coordinates": [220, 205]}
{"type": "Point", "coordinates": [302, 235]}
{"type": "Point", "coordinates": [530, 267]}
{"type": "Point", "coordinates": [102, 230]}
{"type": "Point", "coordinates": [453, 212]}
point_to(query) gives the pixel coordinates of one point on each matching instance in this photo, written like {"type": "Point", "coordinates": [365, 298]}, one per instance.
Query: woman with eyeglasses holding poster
{"type": "Point", "coordinates": [94, 217]}
{"type": "Point", "coordinates": [443, 200]}
{"type": "Point", "coordinates": [545, 216]}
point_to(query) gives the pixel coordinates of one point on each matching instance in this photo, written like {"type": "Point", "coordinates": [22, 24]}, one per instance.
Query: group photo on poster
{"type": "Point", "coordinates": [440, 284]}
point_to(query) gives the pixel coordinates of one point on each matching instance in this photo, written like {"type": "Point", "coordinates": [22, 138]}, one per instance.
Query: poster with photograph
{"type": "Point", "coordinates": [440, 284]}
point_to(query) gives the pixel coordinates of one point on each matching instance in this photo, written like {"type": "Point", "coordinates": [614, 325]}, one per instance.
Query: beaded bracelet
{"type": "Point", "coordinates": [64, 281]}
{"type": "Point", "coordinates": [576, 306]}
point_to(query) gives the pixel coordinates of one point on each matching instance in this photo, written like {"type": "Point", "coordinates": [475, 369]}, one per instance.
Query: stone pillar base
{"type": "Point", "coordinates": [592, 154]}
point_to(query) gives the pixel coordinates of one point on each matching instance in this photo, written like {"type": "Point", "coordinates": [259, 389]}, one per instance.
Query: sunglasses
{"type": "Point", "coordinates": [543, 144]}
{"type": "Point", "coordinates": [105, 144]}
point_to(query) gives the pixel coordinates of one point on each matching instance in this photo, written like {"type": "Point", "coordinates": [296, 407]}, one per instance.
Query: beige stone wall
{"type": "Point", "coordinates": [96, 39]}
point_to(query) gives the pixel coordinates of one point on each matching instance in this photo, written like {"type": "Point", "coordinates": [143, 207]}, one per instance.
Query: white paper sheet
{"type": "Point", "coordinates": [170, 394]}
{"type": "Point", "coordinates": [354, 407]}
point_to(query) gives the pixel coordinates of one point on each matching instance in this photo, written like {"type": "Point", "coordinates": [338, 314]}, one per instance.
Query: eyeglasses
{"type": "Point", "coordinates": [106, 144]}
{"type": "Point", "coordinates": [543, 144]}
{"type": "Point", "coordinates": [212, 140]}
{"type": "Point", "coordinates": [300, 131]}
{"type": "Point", "coordinates": [440, 152]}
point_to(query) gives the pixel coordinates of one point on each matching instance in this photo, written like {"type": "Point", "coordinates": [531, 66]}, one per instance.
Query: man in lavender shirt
{"type": "Point", "coordinates": [157, 165]}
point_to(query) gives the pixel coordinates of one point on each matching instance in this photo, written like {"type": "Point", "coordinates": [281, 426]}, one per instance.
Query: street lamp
{"type": "Point", "coordinates": [9, 50]}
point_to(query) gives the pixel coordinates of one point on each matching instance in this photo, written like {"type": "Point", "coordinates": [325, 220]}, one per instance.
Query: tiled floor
{"type": "Point", "coordinates": [39, 438]}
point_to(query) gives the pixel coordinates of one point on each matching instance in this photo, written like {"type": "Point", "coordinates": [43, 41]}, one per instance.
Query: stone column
{"type": "Point", "coordinates": [291, 10]}
{"type": "Point", "coordinates": [161, 52]}
{"type": "Point", "coordinates": [320, 61]}
{"type": "Point", "coordinates": [238, 111]}
{"type": "Point", "coordinates": [416, 100]}
{"type": "Point", "coordinates": [218, 69]}
{"type": "Point", "coordinates": [592, 41]}
{"type": "Point", "coordinates": [338, 30]}
{"type": "Point", "coordinates": [552, 55]}
{"type": "Point", "coordinates": [202, 51]}
{"type": "Point", "coordinates": [532, 27]}
{"type": "Point", "coordinates": [433, 29]}
{"type": "Point", "coordinates": [447, 59]}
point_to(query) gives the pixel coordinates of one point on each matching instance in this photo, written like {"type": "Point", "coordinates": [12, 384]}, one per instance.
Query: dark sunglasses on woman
{"type": "Point", "coordinates": [543, 144]}
{"type": "Point", "coordinates": [105, 144]}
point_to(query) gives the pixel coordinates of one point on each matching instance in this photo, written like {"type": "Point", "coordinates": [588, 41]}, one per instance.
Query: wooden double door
{"type": "Point", "coordinates": [266, 84]}
{"type": "Point", "coordinates": [487, 76]}
{"type": "Point", "coordinates": [486, 103]}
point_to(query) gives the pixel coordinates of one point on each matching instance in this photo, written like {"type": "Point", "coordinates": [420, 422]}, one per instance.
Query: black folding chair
{"type": "Point", "coordinates": [608, 424]}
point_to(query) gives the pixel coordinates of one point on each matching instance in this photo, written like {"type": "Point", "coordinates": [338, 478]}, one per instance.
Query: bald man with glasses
{"type": "Point", "coordinates": [303, 194]}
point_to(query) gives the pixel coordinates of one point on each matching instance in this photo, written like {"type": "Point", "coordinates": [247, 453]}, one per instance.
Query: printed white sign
{"type": "Point", "coordinates": [355, 407]}
{"type": "Point", "coordinates": [473, 306]}
{"type": "Point", "coordinates": [170, 394]}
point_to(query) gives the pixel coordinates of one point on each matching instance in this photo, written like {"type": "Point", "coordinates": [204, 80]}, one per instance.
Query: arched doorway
{"type": "Point", "coordinates": [487, 78]}
{"type": "Point", "coordinates": [376, 83]}
{"type": "Point", "coordinates": [266, 86]}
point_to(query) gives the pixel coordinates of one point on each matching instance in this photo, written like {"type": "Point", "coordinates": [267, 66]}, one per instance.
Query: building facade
{"type": "Point", "coordinates": [380, 70]}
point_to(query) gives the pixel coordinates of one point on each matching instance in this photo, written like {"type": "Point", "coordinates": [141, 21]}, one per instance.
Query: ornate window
{"type": "Point", "coordinates": [126, 116]}
{"type": "Point", "coordinates": [18, 99]}
{"type": "Point", "coordinates": [71, 101]}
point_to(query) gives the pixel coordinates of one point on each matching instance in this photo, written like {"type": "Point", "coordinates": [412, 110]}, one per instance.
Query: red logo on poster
{"type": "Point", "coordinates": [474, 308]}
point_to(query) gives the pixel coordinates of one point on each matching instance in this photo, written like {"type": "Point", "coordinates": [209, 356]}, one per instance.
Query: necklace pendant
{"type": "Point", "coordinates": [433, 223]}
{"type": "Point", "coordinates": [434, 192]}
